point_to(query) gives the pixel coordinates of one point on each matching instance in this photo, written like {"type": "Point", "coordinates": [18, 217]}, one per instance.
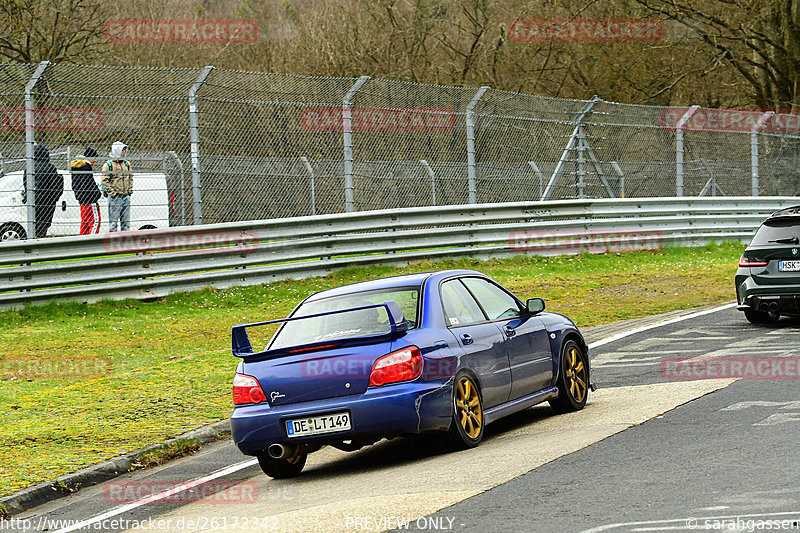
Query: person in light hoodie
{"type": "Point", "coordinates": [118, 186]}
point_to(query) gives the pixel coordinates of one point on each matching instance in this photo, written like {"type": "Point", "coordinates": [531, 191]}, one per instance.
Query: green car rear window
{"type": "Point", "coordinates": [771, 231]}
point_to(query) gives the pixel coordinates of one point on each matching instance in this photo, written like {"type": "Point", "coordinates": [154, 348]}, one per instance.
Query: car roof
{"type": "Point", "coordinates": [786, 212]}
{"type": "Point", "coordinates": [405, 280]}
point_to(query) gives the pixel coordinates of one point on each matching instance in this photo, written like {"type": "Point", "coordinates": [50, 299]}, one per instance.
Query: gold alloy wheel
{"type": "Point", "coordinates": [295, 459]}
{"type": "Point", "coordinates": [468, 407]}
{"type": "Point", "coordinates": [576, 374]}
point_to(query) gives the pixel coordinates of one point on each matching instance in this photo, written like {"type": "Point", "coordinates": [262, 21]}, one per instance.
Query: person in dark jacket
{"type": "Point", "coordinates": [48, 186]}
{"type": "Point", "coordinates": [86, 191]}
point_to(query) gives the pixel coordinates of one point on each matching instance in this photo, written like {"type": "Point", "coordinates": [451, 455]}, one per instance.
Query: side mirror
{"type": "Point", "coordinates": [535, 306]}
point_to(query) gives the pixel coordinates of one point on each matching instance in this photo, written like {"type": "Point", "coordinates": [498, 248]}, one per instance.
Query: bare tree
{"type": "Point", "coordinates": [760, 39]}
{"type": "Point", "coordinates": [52, 30]}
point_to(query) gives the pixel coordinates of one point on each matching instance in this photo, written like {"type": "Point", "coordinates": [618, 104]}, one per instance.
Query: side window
{"type": "Point", "coordinates": [460, 307]}
{"type": "Point", "coordinates": [495, 301]}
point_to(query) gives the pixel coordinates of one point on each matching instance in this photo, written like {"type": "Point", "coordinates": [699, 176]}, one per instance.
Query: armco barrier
{"type": "Point", "coordinates": [149, 264]}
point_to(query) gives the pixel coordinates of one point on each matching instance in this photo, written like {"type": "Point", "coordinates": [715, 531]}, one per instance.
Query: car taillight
{"type": "Point", "coordinates": [401, 365]}
{"type": "Point", "coordinates": [247, 390]}
{"type": "Point", "coordinates": [745, 262]}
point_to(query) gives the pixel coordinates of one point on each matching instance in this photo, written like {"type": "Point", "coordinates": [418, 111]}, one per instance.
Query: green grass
{"type": "Point", "coordinates": [169, 367]}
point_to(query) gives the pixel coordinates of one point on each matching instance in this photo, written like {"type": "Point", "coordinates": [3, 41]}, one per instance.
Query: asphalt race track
{"type": "Point", "coordinates": [655, 449]}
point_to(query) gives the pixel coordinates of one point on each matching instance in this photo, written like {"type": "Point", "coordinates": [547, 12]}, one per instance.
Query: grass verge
{"type": "Point", "coordinates": [80, 383]}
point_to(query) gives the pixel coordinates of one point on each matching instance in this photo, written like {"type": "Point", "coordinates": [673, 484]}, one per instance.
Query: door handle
{"type": "Point", "coordinates": [510, 331]}
{"type": "Point", "coordinates": [466, 338]}
{"type": "Point", "coordinates": [63, 205]}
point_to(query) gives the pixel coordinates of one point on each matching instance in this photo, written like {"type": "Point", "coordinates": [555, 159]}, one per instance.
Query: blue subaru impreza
{"type": "Point", "coordinates": [444, 351]}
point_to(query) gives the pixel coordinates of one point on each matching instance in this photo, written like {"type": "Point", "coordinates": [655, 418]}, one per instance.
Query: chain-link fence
{"type": "Point", "coordinates": [211, 145]}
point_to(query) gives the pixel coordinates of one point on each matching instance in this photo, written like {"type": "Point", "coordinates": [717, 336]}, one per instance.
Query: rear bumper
{"type": "Point", "coordinates": [388, 411]}
{"type": "Point", "coordinates": [785, 304]}
{"type": "Point", "coordinates": [752, 296]}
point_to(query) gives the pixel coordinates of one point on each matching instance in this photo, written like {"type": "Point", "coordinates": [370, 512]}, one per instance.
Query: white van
{"type": "Point", "coordinates": [150, 206]}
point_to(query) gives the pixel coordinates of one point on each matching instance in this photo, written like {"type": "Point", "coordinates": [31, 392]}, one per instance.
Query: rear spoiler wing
{"type": "Point", "coordinates": [242, 347]}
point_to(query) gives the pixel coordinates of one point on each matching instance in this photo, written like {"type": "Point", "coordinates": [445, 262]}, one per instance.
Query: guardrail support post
{"type": "Point", "coordinates": [473, 192]}
{"type": "Point", "coordinates": [618, 170]}
{"type": "Point", "coordinates": [310, 171]}
{"type": "Point", "coordinates": [30, 140]}
{"type": "Point", "coordinates": [432, 177]}
{"type": "Point", "coordinates": [194, 138]}
{"type": "Point", "coordinates": [679, 149]}
{"type": "Point", "coordinates": [754, 148]}
{"type": "Point", "coordinates": [538, 175]}
{"type": "Point", "coordinates": [575, 140]}
{"type": "Point", "coordinates": [347, 134]}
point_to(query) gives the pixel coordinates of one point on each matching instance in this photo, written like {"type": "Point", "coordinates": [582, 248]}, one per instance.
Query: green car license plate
{"type": "Point", "coordinates": [789, 266]}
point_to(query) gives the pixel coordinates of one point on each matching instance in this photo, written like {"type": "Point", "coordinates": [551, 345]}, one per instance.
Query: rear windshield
{"type": "Point", "coordinates": [366, 322]}
{"type": "Point", "coordinates": [771, 231]}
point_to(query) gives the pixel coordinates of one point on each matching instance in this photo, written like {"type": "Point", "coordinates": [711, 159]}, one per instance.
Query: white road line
{"type": "Point", "coordinates": [628, 333]}
{"type": "Point", "coordinates": [160, 496]}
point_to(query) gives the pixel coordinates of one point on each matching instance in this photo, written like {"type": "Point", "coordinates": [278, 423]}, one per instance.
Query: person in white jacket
{"type": "Point", "coordinates": [118, 186]}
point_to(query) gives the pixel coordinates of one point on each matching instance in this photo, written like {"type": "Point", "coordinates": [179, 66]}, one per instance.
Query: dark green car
{"type": "Point", "coordinates": [768, 279]}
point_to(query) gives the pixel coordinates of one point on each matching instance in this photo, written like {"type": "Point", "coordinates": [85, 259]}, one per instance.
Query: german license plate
{"type": "Point", "coordinates": [318, 425]}
{"type": "Point", "coordinates": [789, 266]}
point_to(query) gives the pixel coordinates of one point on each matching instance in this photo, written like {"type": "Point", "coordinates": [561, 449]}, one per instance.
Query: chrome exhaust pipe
{"type": "Point", "coordinates": [282, 451]}
{"type": "Point", "coordinates": [277, 451]}
{"type": "Point", "coordinates": [773, 306]}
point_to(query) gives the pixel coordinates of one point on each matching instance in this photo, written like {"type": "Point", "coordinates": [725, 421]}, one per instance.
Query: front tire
{"type": "Point", "coordinates": [760, 317]}
{"type": "Point", "coordinates": [12, 232]}
{"type": "Point", "coordinates": [466, 429]}
{"type": "Point", "coordinates": [282, 468]}
{"type": "Point", "coordinates": [573, 379]}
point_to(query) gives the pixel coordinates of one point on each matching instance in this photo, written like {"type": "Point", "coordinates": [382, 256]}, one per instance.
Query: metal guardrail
{"type": "Point", "coordinates": [151, 264]}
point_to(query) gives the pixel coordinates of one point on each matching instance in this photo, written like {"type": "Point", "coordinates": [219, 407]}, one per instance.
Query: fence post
{"type": "Point", "coordinates": [432, 177]}
{"type": "Point", "coordinates": [30, 140]}
{"type": "Point", "coordinates": [679, 149]}
{"type": "Point", "coordinates": [473, 193]}
{"type": "Point", "coordinates": [754, 148]}
{"type": "Point", "coordinates": [347, 134]}
{"type": "Point", "coordinates": [310, 171]}
{"type": "Point", "coordinates": [194, 138]}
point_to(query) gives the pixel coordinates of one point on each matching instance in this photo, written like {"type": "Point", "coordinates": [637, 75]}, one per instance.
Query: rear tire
{"type": "Point", "coordinates": [466, 428]}
{"type": "Point", "coordinates": [282, 468]}
{"type": "Point", "coordinates": [573, 379]}
{"type": "Point", "coordinates": [12, 232]}
{"type": "Point", "coordinates": [761, 317]}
